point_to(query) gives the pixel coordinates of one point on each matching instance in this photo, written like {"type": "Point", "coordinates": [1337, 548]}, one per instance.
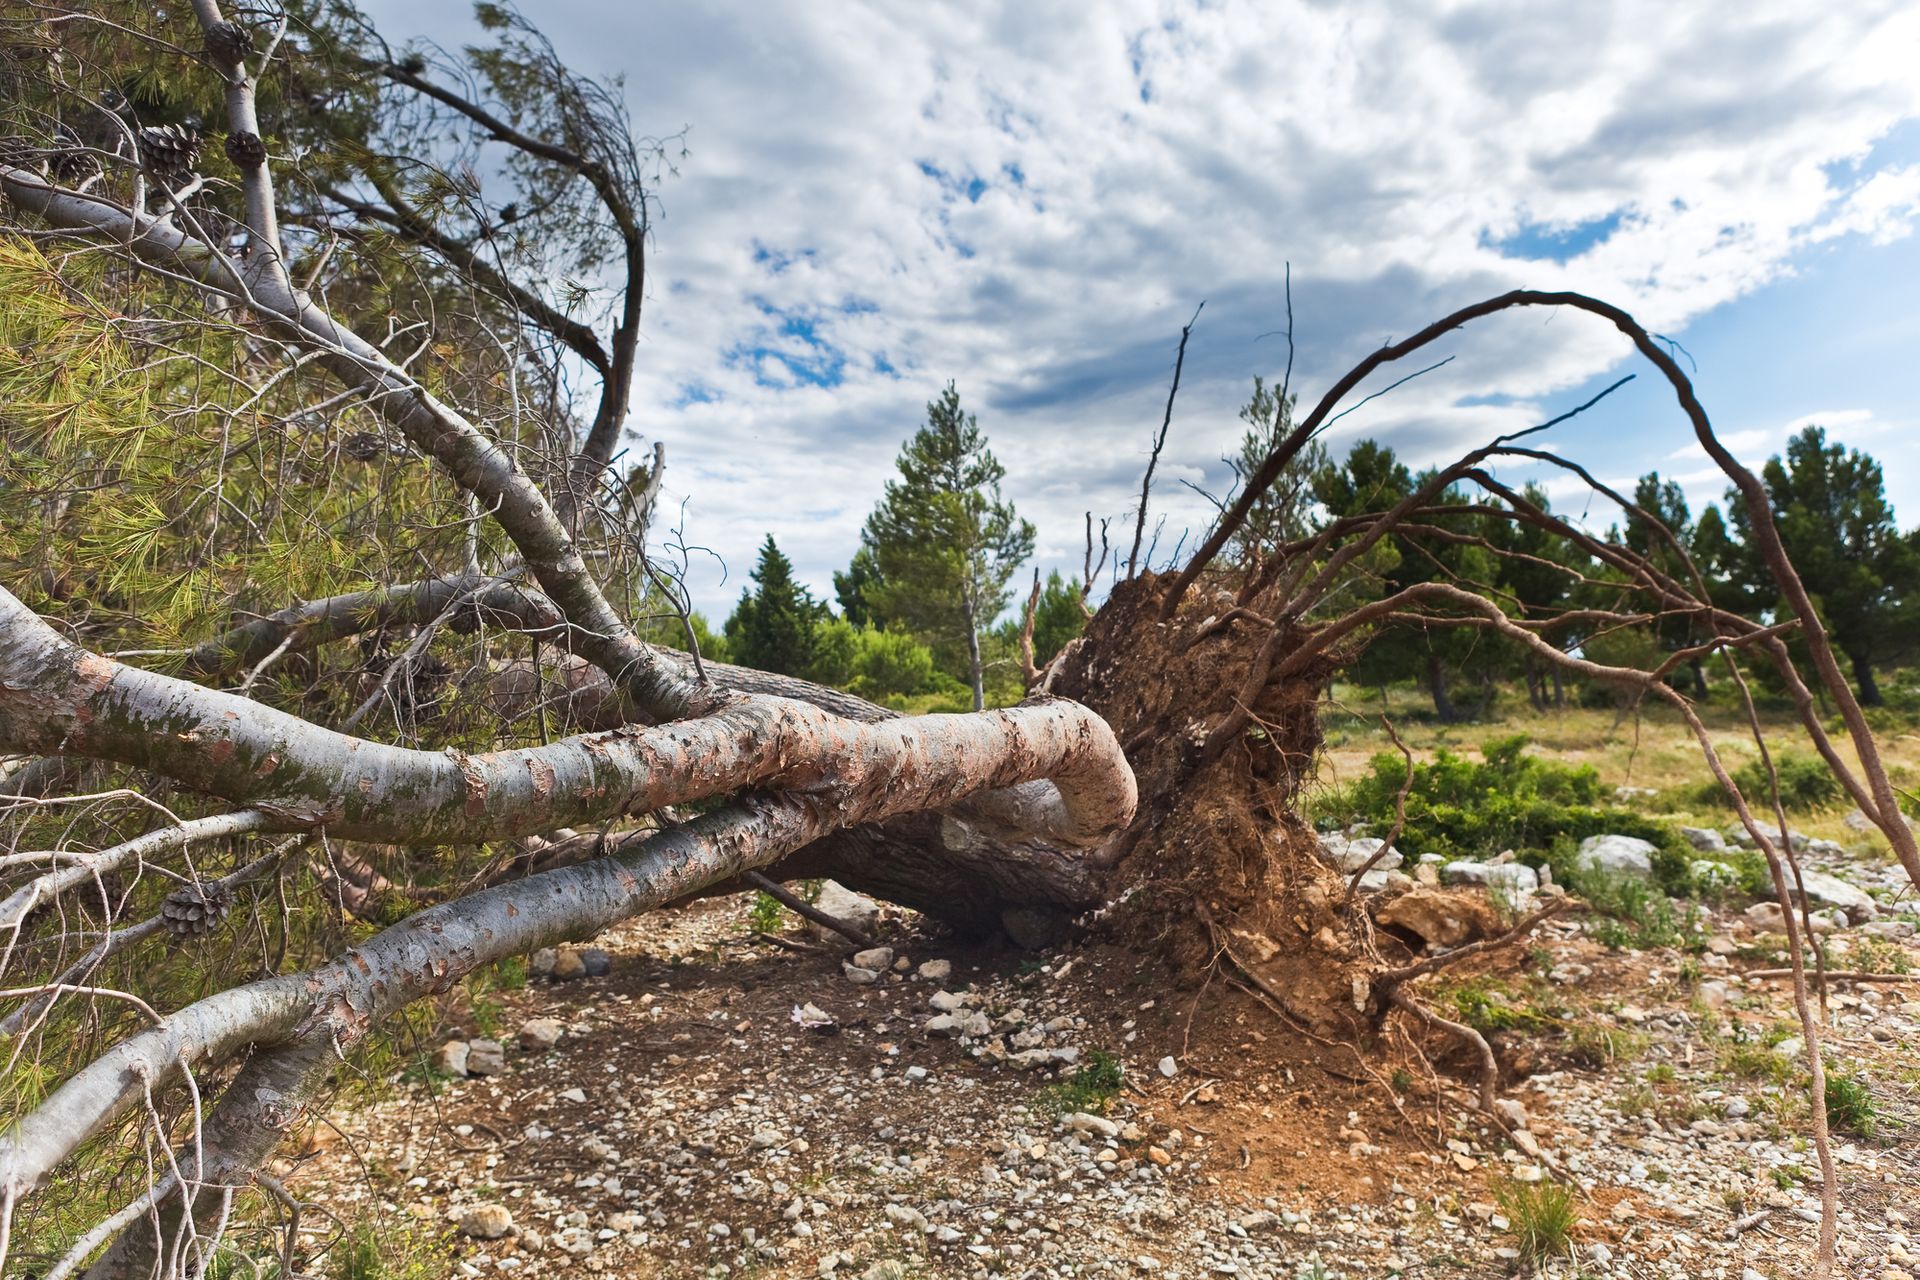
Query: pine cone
{"type": "Point", "coordinates": [168, 151]}
{"type": "Point", "coordinates": [229, 42]}
{"type": "Point", "coordinates": [246, 150]}
{"type": "Point", "coordinates": [363, 446]}
{"type": "Point", "coordinates": [195, 910]}
{"type": "Point", "coordinates": [71, 162]}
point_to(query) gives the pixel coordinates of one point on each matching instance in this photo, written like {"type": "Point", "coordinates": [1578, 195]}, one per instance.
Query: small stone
{"type": "Point", "coordinates": [916, 1073]}
{"type": "Point", "coordinates": [572, 1095]}
{"type": "Point", "coordinates": [450, 1059]}
{"type": "Point", "coordinates": [1736, 1108]}
{"type": "Point", "coordinates": [1169, 1068]}
{"type": "Point", "coordinates": [1159, 1156]}
{"type": "Point", "coordinates": [860, 976]}
{"type": "Point", "coordinates": [936, 970]}
{"type": "Point", "coordinates": [1085, 1122]}
{"type": "Point", "coordinates": [947, 1001]}
{"type": "Point", "coordinates": [567, 965]}
{"type": "Point", "coordinates": [541, 1033]}
{"type": "Point", "coordinates": [875, 958]}
{"type": "Point", "coordinates": [540, 963]}
{"type": "Point", "coordinates": [486, 1058]}
{"type": "Point", "coordinates": [901, 1215]}
{"type": "Point", "coordinates": [766, 1139]}
{"type": "Point", "coordinates": [1514, 1113]}
{"type": "Point", "coordinates": [486, 1221]}
{"type": "Point", "coordinates": [598, 962]}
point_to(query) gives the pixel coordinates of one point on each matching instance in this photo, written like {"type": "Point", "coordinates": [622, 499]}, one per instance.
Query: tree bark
{"type": "Point", "coordinates": [973, 650]}
{"type": "Point", "coordinates": [1437, 686]}
{"type": "Point", "coordinates": [1863, 677]}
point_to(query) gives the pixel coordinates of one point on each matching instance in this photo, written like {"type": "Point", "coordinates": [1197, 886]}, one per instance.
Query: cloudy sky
{"type": "Point", "coordinates": [1031, 198]}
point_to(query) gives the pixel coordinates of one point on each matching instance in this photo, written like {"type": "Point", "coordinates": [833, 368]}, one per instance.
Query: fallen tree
{"type": "Point", "coordinates": [1156, 771]}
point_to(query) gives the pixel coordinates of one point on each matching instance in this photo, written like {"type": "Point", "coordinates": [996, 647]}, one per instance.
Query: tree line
{"type": "Point", "coordinates": [922, 605]}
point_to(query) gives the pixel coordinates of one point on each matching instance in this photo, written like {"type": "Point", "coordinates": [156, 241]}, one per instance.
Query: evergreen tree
{"type": "Point", "coordinates": [1370, 481]}
{"type": "Point", "coordinates": [1664, 501]}
{"type": "Point", "coordinates": [1830, 506]}
{"type": "Point", "coordinates": [943, 542]}
{"type": "Point", "coordinates": [1057, 618]}
{"type": "Point", "coordinates": [1283, 511]}
{"type": "Point", "coordinates": [772, 628]}
{"type": "Point", "coordinates": [1532, 586]}
{"type": "Point", "coordinates": [852, 586]}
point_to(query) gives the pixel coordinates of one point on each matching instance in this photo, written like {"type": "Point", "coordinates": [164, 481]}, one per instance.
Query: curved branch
{"type": "Point", "coordinates": [58, 698]}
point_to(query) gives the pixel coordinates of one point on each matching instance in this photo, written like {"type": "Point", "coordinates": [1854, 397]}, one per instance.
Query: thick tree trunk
{"type": "Point", "coordinates": [1437, 686]}
{"type": "Point", "coordinates": [1863, 679]}
{"type": "Point", "coordinates": [1536, 684]}
{"type": "Point", "coordinates": [1699, 678]}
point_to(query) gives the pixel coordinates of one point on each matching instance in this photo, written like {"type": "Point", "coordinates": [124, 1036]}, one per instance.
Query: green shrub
{"type": "Point", "coordinates": [1806, 784]}
{"type": "Point", "coordinates": [1092, 1087]}
{"type": "Point", "coordinates": [1850, 1105]}
{"type": "Point", "coordinates": [1510, 799]}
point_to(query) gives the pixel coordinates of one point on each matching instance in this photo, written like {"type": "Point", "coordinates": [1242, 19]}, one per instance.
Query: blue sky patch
{"type": "Point", "coordinates": [791, 342]}
{"type": "Point", "coordinates": [1548, 242]}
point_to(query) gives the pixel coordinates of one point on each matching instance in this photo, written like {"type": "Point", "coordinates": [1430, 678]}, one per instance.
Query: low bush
{"type": "Point", "coordinates": [1509, 799]}
{"type": "Point", "coordinates": [1806, 785]}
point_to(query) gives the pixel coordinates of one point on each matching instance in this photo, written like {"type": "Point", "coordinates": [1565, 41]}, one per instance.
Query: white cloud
{"type": "Point", "coordinates": [1135, 157]}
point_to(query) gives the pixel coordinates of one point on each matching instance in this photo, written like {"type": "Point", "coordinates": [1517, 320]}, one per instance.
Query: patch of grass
{"type": "Point", "coordinates": [1630, 913]}
{"type": "Point", "coordinates": [1091, 1088]}
{"type": "Point", "coordinates": [389, 1251]}
{"type": "Point", "coordinates": [1850, 1105]}
{"type": "Point", "coordinates": [1594, 1045]}
{"type": "Point", "coordinates": [1486, 1006]}
{"type": "Point", "coordinates": [766, 913]}
{"type": "Point", "coordinates": [1542, 1217]}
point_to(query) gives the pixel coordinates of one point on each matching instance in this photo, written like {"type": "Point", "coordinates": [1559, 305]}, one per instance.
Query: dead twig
{"type": "Point", "coordinates": [1159, 441]}
{"type": "Point", "coordinates": [801, 907]}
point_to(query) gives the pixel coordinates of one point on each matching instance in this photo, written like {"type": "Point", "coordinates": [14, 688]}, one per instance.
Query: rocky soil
{"type": "Point", "coordinates": [690, 1099]}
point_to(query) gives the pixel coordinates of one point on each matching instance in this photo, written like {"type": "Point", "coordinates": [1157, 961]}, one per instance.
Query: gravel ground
{"type": "Point", "coordinates": [716, 1105]}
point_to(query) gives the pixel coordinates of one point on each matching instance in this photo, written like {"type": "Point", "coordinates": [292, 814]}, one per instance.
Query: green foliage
{"type": "Point", "coordinates": [1091, 1088]}
{"type": "Point", "coordinates": [1509, 799]}
{"type": "Point", "coordinates": [1631, 914]}
{"type": "Point", "coordinates": [1830, 507]}
{"type": "Point", "coordinates": [881, 666]}
{"type": "Point", "coordinates": [765, 914]}
{"type": "Point", "coordinates": [1542, 1216]}
{"type": "Point", "coordinates": [1282, 510]}
{"type": "Point", "coordinates": [1486, 1006]}
{"type": "Point", "coordinates": [1057, 618]}
{"type": "Point", "coordinates": [942, 543]}
{"type": "Point", "coordinates": [1850, 1105]}
{"type": "Point", "coordinates": [1806, 785]}
{"type": "Point", "coordinates": [386, 1251]}
{"type": "Point", "coordinates": [772, 628]}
